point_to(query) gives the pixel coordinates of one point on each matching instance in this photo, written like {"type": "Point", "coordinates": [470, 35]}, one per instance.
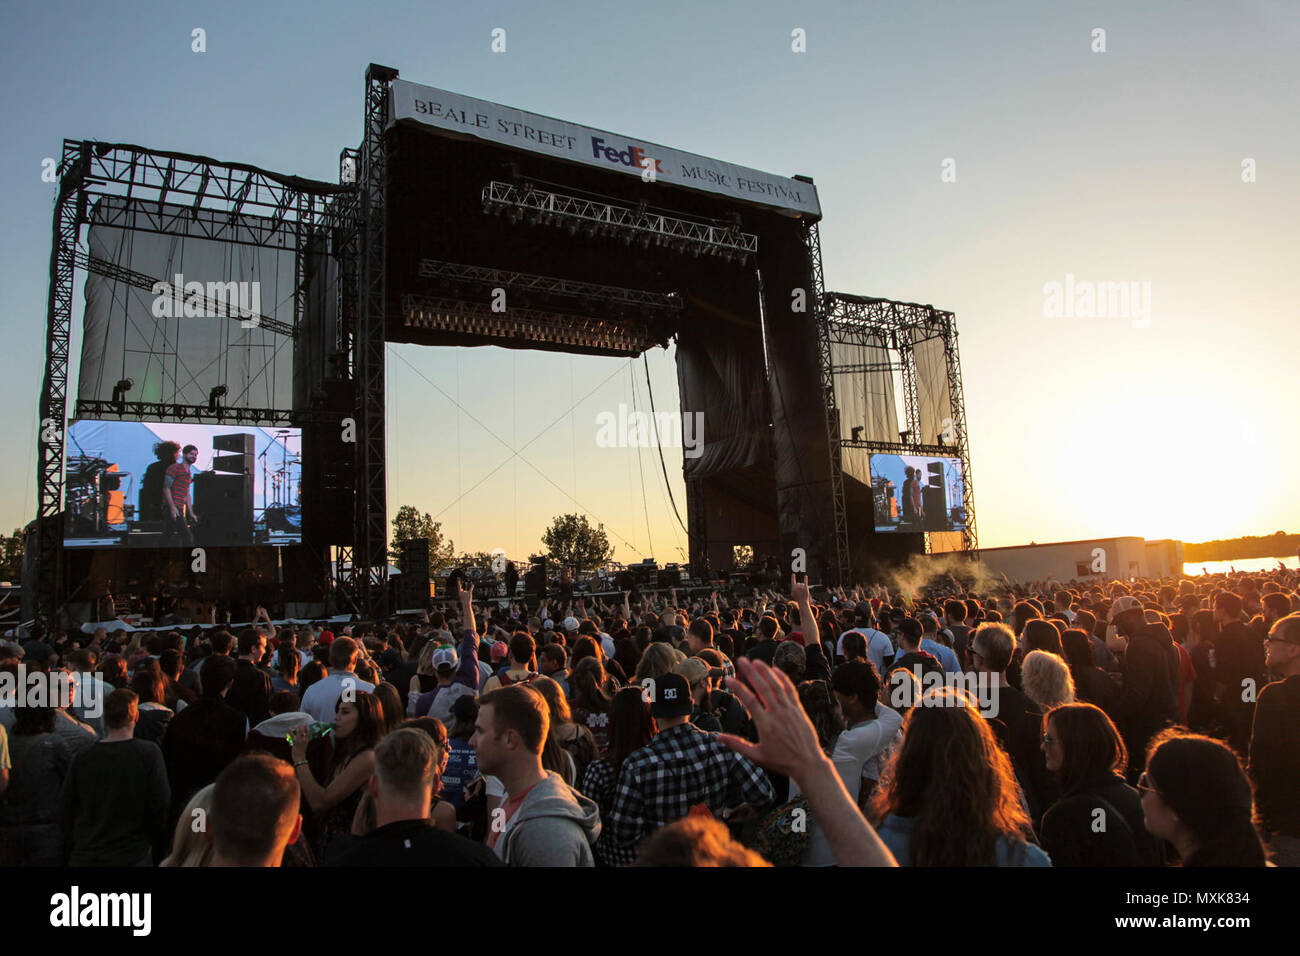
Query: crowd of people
{"type": "Point", "coordinates": [1143, 723]}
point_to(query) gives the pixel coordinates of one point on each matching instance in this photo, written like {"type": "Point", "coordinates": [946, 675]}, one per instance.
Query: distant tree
{"type": "Point", "coordinates": [573, 541]}
{"type": "Point", "coordinates": [409, 524]}
{"type": "Point", "coordinates": [11, 556]}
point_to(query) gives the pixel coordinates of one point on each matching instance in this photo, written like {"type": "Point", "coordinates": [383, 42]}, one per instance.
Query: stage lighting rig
{"type": "Point", "coordinates": [119, 392]}
{"type": "Point", "coordinates": [544, 207]}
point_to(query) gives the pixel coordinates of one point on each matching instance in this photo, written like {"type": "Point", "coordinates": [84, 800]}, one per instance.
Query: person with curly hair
{"type": "Point", "coordinates": [949, 796]}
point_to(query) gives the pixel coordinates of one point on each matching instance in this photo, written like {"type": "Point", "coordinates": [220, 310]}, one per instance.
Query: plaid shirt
{"type": "Point", "coordinates": [680, 767]}
{"type": "Point", "coordinates": [599, 784]}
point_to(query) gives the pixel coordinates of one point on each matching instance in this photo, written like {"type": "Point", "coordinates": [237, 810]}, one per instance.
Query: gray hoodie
{"type": "Point", "coordinates": [554, 826]}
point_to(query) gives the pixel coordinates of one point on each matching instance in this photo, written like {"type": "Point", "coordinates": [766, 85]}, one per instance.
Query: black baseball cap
{"type": "Point", "coordinates": [671, 696]}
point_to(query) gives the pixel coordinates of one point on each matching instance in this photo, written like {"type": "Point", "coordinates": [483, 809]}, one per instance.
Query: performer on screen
{"type": "Point", "coordinates": [910, 496]}
{"type": "Point", "coordinates": [178, 506]}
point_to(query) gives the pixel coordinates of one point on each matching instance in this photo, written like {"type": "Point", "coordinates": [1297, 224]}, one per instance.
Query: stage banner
{"type": "Point", "coordinates": [933, 402]}
{"type": "Point", "coordinates": [178, 316]}
{"type": "Point", "coordinates": [465, 116]}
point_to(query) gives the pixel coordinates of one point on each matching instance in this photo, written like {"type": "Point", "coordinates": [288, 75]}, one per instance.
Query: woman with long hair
{"type": "Point", "coordinates": [357, 728]}
{"type": "Point", "coordinates": [1041, 635]}
{"type": "Point", "coordinates": [949, 796]}
{"type": "Point", "coordinates": [573, 738]}
{"type": "Point", "coordinates": [424, 679]}
{"type": "Point", "coordinates": [149, 686]}
{"type": "Point", "coordinates": [591, 701]}
{"type": "Point", "coordinates": [310, 674]}
{"type": "Point", "coordinates": [1197, 798]}
{"type": "Point", "coordinates": [1045, 679]}
{"type": "Point", "coordinates": [631, 728]}
{"type": "Point", "coordinates": [112, 670]}
{"type": "Point", "coordinates": [190, 843]}
{"type": "Point", "coordinates": [659, 658]}
{"type": "Point", "coordinates": [390, 706]}
{"type": "Point", "coordinates": [286, 678]}
{"type": "Point", "coordinates": [1091, 684]}
{"type": "Point", "coordinates": [822, 708]}
{"type": "Point", "coordinates": [1088, 756]}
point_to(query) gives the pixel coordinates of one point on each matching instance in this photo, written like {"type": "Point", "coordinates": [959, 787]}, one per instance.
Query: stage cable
{"type": "Point", "coordinates": [658, 444]}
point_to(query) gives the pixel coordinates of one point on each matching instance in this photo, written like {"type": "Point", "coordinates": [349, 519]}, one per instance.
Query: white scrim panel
{"type": "Point", "coordinates": [934, 405]}
{"type": "Point", "coordinates": [865, 398]}
{"type": "Point", "coordinates": [177, 358]}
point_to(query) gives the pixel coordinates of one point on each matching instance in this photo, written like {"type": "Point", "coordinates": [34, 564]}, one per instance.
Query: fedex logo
{"type": "Point", "coordinates": [633, 156]}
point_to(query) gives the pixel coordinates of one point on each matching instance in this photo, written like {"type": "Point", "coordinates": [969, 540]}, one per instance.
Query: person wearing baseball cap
{"type": "Point", "coordinates": [1148, 696]}
{"type": "Point", "coordinates": [682, 767]}
{"type": "Point", "coordinates": [457, 672]}
{"type": "Point", "coordinates": [696, 673]}
{"type": "Point", "coordinates": [571, 625]}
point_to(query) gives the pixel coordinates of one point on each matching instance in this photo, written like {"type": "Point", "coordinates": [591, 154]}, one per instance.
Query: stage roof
{"type": "Point", "coordinates": [457, 115]}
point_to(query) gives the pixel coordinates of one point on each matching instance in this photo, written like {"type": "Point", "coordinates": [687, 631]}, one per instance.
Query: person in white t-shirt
{"type": "Point", "coordinates": [879, 649]}
{"type": "Point", "coordinates": [860, 750]}
{"type": "Point", "coordinates": [322, 697]}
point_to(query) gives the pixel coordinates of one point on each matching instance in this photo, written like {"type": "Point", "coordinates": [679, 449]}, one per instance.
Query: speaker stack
{"type": "Point", "coordinates": [224, 499]}
{"type": "Point", "coordinates": [934, 498]}
{"type": "Point", "coordinates": [535, 580]}
{"type": "Point", "coordinates": [413, 583]}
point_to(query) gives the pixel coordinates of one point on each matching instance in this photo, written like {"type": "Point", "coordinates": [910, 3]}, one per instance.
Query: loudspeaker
{"type": "Point", "coordinates": [935, 502]}
{"type": "Point", "coordinates": [535, 580]}
{"type": "Point", "coordinates": [225, 507]}
{"type": "Point", "coordinates": [936, 474]}
{"type": "Point", "coordinates": [415, 556]}
{"type": "Point", "coordinates": [413, 583]}
{"type": "Point", "coordinates": [232, 464]}
{"type": "Point", "coordinates": [670, 578]}
{"type": "Point", "coordinates": [241, 443]}
{"type": "Point", "coordinates": [329, 469]}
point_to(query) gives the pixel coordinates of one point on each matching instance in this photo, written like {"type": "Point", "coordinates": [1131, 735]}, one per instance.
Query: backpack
{"type": "Point", "coordinates": [782, 837]}
{"type": "Point", "coordinates": [582, 748]}
{"type": "Point", "coordinates": [506, 680]}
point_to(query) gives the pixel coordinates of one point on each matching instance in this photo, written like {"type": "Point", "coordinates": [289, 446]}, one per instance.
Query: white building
{"type": "Point", "coordinates": [1097, 559]}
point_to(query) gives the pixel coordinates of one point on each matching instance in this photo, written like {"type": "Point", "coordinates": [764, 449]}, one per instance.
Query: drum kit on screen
{"type": "Point", "coordinates": [283, 511]}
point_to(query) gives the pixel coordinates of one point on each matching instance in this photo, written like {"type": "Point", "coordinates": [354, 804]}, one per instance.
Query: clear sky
{"type": "Point", "coordinates": [1116, 166]}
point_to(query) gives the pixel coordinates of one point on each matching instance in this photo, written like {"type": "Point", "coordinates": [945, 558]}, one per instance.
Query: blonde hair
{"type": "Point", "coordinates": [1046, 680]}
{"type": "Point", "coordinates": [191, 845]}
{"type": "Point", "coordinates": [659, 658]}
{"type": "Point", "coordinates": [425, 666]}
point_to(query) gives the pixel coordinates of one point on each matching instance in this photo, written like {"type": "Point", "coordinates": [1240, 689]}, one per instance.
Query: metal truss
{"type": "Point", "coordinates": [369, 566]}
{"type": "Point", "coordinates": [625, 336]}
{"type": "Point", "coordinates": [69, 209]}
{"type": "Point", "coordinates": [597, 218]}
{"type": "Point", "coordinates": [176, 194]}
{"type": "Point", "coordinates": [168, 412]}
{"type": "Point", "coordinates": [826, 367]}
{"type": "Point", "coordinates": [608, 296]}
{"type": "Point", "coordinates": [898, 326]}
{"type": "Point", "coordinates": [214, 307]}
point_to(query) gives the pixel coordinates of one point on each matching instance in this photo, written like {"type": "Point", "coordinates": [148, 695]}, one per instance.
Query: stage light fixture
{"type": "Point", "coordinates": [119, 392]}
{"type": "Point", "coordinates": [857, 432]}
{"type": "Point", "coordinates": [214, 397]}
{"type": "Point", "coordinates": [905, 437]}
